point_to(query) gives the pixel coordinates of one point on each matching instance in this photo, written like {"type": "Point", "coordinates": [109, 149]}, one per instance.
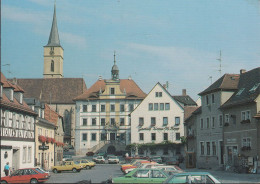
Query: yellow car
{"type": "Point", "coordinates": [67, 166]}
{"type": "Point", "coordinates": [86, 164]}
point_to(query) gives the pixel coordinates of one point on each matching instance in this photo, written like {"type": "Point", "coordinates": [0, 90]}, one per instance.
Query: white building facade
{"type": "Point", "coordinates": [17, 128]}
{"type": "Point", "coordinates": [102, 114]}
{"type": "Point", "coordinates": [157, 119]}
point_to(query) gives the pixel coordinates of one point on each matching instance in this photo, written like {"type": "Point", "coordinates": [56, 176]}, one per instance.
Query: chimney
{"type": "Point", "coordinates": [242, 71]}
{"type": "Point", "coordinates": [164, 86]}
{"type": "Point", "coordinates": [184, 92]}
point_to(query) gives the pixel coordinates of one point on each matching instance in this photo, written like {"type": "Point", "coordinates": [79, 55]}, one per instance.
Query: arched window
{"type": "Point", "coordinates": [52, 66]}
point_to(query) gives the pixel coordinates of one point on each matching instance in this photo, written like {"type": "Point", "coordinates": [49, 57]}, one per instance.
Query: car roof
{"type": "Point", "coordinates": [192, 173]}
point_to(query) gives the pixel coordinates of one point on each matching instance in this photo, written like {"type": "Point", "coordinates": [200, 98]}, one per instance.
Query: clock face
{"type": "Point", "coordinates": [51, 52]}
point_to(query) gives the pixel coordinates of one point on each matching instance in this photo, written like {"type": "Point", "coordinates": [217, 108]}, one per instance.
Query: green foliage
{"type": "Point", "coordinates": [152, 145]}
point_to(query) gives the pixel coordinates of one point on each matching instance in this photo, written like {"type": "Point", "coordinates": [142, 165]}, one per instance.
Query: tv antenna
{"type": "Point", "coordinates": [220, 64]}
{"type": "Point", "coordinates": [210, 78]}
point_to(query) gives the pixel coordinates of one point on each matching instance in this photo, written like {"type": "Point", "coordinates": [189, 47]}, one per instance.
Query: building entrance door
{"type": "Point", "coordinates": [112, 136]}
{"type": "Point", "coordinates": [15, 159]}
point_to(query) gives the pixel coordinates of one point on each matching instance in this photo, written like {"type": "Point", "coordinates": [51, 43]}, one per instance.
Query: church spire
{"type": "Point", "coordinates": [54, 35]}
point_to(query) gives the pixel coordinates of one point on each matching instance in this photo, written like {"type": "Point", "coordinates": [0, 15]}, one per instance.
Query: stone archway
{"type": "Point", "coordinates": [111, 149]}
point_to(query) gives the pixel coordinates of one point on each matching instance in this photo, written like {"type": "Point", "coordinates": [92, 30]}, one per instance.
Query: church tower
{"type": "Point", "coordinates": [53, 53]}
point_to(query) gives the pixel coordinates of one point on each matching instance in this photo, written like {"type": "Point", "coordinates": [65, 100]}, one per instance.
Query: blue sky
{"type": "Point", "coordinates": [155, 40]}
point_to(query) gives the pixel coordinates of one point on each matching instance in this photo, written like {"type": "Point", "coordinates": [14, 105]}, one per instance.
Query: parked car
{"type": "Point", "coordinates": [137, 164]}
{"type": "Point", "coordinates": [192, 177]}
{"type": "Point", "coordinates": [67, 166]}
{"type": "Point", "coordinates": [157, 159]}
{"type": "Point", "coordinates": [44, 171]}
{"type": "Point", "coordinates": [86, 163]}
{"type": "Point", "coordinates": [169, 169]}
{"type": "Point", "coordinates": [142, 176]}
{"type": "Point", "coordinates": [94, 158]}
{"type": "Point", "coordinates": [27, 175]}
{"type": "Point", "coordinates": [90, 153]}
{"type": "Point", "coordinates": [129, 164]}
{"type": "Point", "coordinates": [172, 161]}
{"type": "Point", "coordinates": [100, 160]}
{"type": "Point", "coordinates": [143, 166]}
{"type": "Point", "coordinates": [113, 160]}
{"type": "Point", "coordinates": [67, 158]}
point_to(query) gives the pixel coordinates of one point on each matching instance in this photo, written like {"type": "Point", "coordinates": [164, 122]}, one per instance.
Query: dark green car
{"type": "Point", "coordinates": [142, 176]}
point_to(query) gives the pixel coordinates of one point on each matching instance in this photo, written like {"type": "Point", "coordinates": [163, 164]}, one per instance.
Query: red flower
{"type": "Point", "coordinates": [42, 139]}
{"type": "Point", "coordinates": [48, 139]}
{"type": "Point", "coordinates": [53, 140]}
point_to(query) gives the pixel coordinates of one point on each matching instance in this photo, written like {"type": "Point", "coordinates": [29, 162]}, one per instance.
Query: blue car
{"type": "Point", "coordinates": [192, 177]}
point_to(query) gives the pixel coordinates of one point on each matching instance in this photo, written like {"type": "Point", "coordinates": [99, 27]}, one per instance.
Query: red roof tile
{"type": "Point", "coordinates": [51, 115]}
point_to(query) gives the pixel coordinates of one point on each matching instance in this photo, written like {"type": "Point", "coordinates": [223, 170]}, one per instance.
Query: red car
{"type": "Point", "coordinates": [28, 175]}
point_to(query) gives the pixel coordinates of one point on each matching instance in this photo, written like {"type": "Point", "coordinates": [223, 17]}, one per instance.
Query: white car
{"type": "Point", "coordinates": [143, 166]}
{"type": "Point", "coordinates": [100, 160]}
{"type": "Point", "coordinates": [113, 159]}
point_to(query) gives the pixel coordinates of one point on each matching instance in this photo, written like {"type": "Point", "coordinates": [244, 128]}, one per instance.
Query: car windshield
{"type": "Point", "coordinates": [39, 170]}
{"type": "Point", "coordinates": [113, 157]}
{"type": "Point", "coordinates": [157, 157]}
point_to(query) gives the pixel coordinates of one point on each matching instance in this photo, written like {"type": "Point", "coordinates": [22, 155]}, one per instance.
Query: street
{"type": "Point", "coordinates": [103, 172]}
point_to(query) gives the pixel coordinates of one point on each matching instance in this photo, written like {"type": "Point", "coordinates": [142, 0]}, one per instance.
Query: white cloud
{"type": "Point", "coordinates": [23, 15]}
{"type": "Point", "coordinates": [73, 39]}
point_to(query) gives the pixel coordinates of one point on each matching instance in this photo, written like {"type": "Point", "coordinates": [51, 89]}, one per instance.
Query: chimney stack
{"type": "Point", "coordinates": [242, 71]}
{"type": "Point", "coordinates": [164, 86]}
{"type": "Point", "coordinates": [184, 92]}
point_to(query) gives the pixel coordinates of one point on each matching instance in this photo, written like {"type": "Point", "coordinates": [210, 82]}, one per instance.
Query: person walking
{"type": "Point", "coordinates": [6, 169]}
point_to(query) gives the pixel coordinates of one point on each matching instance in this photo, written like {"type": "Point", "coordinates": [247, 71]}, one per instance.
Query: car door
{"type": "Point", "coordinates": [140, 176]}
{"type": "Point", "coordinates": [27, 176]}
{"type": "Point", "coordinates": [68, 166]}
{"type": "Point", "coordinates": [18, 177]}
{"type": "Point", "coordinates": [157, 176]}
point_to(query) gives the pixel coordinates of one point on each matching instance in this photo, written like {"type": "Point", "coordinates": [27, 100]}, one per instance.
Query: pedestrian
{"type": "Point", "coordinates": [6, 169]}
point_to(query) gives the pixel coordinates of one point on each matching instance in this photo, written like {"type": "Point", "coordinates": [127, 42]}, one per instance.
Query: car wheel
{"type": "Point", "coordinates": [4, 182]}
{"type": "Point", "coordinates": [55, 170]}
{"type": "Point", "coordinates": [103, 162]}
{"type": "Point", "coordinates": [88, 167]}
{"type": "Point", "coordinates": [34, 180]}
{"type": "Point", "coordinates": [74, 170]}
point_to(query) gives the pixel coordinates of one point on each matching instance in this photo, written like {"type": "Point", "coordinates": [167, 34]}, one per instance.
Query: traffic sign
{"type": "Point", "coordinates": [43, 147]}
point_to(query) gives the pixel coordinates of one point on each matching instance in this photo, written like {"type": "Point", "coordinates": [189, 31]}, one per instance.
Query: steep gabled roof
{"type": "Point", "coordinates": [51, 115]}
{"type": "Point", "coordinates": [248, 89]}
{"type": "Point", "coordinates": [129, 86]}
{"type": "Point", "coordinates": [226, 82]}
{"type": "Point", "coordinates": [5, 102]}
{"type": "Point", "coordinates": [54, 90]}
{"type": "Point", "coordinates": [196, 111]}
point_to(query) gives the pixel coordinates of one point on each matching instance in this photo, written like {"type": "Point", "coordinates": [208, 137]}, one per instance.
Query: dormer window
{"type": "Point", "coordinates": [11, 94]}
{"type": "Point", "coordinates": [42, 113]}
{"type": "Point", "coordinates": [240, 91]}
{"type": "Point", "coordinates": [252, 90]}
{"type": "Point", "coordinates": [112, 91]}
{"type": "Point", "coordinates": [21, 98]}
{"type": "Point", "coordinates": [1, 92]}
